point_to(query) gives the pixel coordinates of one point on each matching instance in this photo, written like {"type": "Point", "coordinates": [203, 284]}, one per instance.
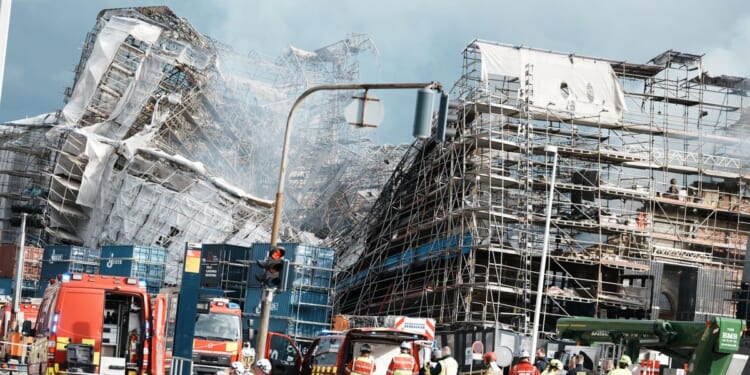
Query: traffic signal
{"type": "Point", "coordinates": [275, 270]}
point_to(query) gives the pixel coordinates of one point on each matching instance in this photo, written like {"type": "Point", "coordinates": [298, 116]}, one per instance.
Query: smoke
{"type": "Point", "coordinates": [732, 57]}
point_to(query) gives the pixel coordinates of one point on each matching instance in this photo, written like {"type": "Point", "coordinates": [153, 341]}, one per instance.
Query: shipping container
{"type": "Point", "coordinates": [144, 262]}
{"type": "Point", "coordinates": [312, 266]}
{"type": "Point", "coordinates": [144, 254]}
{"type": "Point", "coordinates": [226, 253]}
{"type": "Point", "coordinates": [6, 286]}
{"type": "Point", "coordinates": [70, 253]}
{"type": "Point", "coordinates": [32, 261]}
{"type": "Point", "coordinates": [50, 269]}
{"type": "Point", "coordinates": [315, 308]}
{"type": "Point", "coordinates": [225, 267]}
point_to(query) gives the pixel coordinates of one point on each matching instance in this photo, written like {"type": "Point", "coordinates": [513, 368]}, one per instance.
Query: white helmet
{"type": "Point", "coordinates": [264, 365]}
{"type": "Point", "coordinates": [238, 367]}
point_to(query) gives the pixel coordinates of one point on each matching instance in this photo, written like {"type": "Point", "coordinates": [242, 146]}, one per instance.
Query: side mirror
{"type": "Point", "coordinates": [26, 329]}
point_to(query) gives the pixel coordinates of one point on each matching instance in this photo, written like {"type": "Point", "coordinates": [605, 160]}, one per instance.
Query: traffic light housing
{"type": "Point", "coordinates": [275, 270]}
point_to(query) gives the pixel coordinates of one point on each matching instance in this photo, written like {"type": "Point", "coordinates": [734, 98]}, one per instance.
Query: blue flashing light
{"type": "Point", "coordinates": [55, 319]}
{"type": "Point", "coordinates": [65, 277]}
{"type": "Point", "coordinates": [142, 284]}
{"type": "Point", "coordinates": [233, 305]}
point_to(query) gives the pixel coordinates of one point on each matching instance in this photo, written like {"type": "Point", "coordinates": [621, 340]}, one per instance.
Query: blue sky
{"type": "Point", "coordinates": [417, 40]}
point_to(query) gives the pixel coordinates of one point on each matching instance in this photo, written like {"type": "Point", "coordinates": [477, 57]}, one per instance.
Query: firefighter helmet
{"type": "Point", "coordinates": [238, 367]}
{"type": "Point", "coordinates": [264, 365]}
{"type": "Point", "coordinates": [625, 360]}
{"type": "Point", "coordinates": [366, 348]}
{"type": "Point", "coordinates": [556, 364]}
{"type": "Point", "coordinates": [405, 346]}
{"type": "Point", "coordinates": [489, 357]}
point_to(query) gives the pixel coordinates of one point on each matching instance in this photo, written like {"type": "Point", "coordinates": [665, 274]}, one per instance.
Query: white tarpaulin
{"type": "Point", "coordinates": [568, 86]}
{"type": "Point", "coordinates": [108, 42]}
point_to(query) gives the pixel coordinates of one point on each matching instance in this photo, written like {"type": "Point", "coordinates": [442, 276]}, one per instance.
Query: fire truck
{"type": "Point", "coordinates": [218, 335]}
{"type": "Point", "coordinates": [98, 324]}
{"type": "Point", "coordinates": [329, 354]}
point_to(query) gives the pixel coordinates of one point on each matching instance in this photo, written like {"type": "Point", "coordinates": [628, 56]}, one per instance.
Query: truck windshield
{"type": "Point", "coordinates": [213, 326]}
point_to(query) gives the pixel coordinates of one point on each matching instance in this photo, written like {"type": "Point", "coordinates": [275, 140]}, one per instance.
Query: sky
{"type": "Point", "coordinates": [417, 40]}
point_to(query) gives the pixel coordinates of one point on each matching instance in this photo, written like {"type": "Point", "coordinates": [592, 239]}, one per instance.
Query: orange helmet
{"type": "Point", "coordinates": [489, 357]}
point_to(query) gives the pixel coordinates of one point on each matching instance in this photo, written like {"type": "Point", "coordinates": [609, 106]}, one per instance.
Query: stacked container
{"type": "Point", "coordinates": [144, 262]}
{"type": "Point", "coordinates": [304, 310]}
{"type": "Point", "coordinates": [225, 269]}
{"type": "Point", "coordinates": [32, 261]}
{"type": "Point", "coordinates": [59, 259]}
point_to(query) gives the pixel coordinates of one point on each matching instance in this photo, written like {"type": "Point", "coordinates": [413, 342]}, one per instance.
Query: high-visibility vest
{"type": "Point", "coordinates": [402, 364]}
{"type": "Point", "coordinates": [448, 366]}
{"type": "Point", "coordinates": [133, 344]}
{"type": "Point", "coordinates": [363, 365]}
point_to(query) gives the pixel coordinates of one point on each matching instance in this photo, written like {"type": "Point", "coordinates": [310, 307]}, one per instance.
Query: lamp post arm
{"type": "Point", "coordinates": [267, 298]}
{"type": "Point", "coordinates": [288, 131]}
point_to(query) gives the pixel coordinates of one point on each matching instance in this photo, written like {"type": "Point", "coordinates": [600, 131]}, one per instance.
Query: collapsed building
{"type": "Point", "coordinates": [649, 215]}
{"type": "Point", "coordinates": [168, 136]}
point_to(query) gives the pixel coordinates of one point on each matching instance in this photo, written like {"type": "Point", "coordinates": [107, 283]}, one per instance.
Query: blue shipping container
{"type": "Point", "coordinates": [146, 254]}
{"type": "Point", "coordinates": [225, 252]}
{"type": "Point", "coordinates": [50, 269]}
{"type": "Point", "coordinates": [68, 252]}
{"type": "Point", "coordinates": [296, 305]}
{"type": "Point", "coordinates": [6, 286]}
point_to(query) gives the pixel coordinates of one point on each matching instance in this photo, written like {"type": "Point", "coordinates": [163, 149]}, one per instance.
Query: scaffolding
{"type": "Point", "coordinates": [649, 213]}
{"type": "Point", "coordinates": [168, 136]}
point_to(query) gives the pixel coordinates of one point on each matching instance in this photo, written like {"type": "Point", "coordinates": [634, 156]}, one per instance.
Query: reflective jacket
{"type": "Point", "coordinates": [403, 364]}
{"type": "Point", "coordinates": [620, 371]}
{"type": "Point", "coordinates": [524, 368]}
{"type": "Point", "coordinates": [363, 365]}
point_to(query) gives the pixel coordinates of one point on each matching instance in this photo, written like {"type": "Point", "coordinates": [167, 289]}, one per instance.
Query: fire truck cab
{"type": "Point", "coordinates": [98, 324]}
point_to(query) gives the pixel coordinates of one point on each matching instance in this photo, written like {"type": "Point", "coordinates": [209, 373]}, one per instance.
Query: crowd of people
{"type": "Point", "coordinates": [442, 363]}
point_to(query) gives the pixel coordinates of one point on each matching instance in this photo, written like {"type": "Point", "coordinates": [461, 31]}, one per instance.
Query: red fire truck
{"type": "Point", "coordinates": [98, 324]}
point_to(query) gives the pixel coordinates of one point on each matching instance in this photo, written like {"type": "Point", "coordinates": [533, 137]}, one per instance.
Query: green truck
{"type": "Point", "coordinates": [706, 347]}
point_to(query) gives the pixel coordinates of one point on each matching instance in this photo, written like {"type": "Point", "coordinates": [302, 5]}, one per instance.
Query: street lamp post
{"type": "Point", "coordinates": [267, 298]}
{"type": "Point", "coordinates": [545, 249]}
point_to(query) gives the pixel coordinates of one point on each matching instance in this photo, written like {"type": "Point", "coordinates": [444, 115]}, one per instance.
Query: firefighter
{"type": "Point", "coordinates": [490, 364]}
{"type": "Point", "coordinates": [238, 368]}
{"type": "Point", "coordinates": [133, 346]}
{"type": "Point", "coordinates": [555, 367]}
{"type": "Point", "coordinates": [262, 367]}
{"type": "Point", "coordinates": [432, 367]}
{"type": "Point", "coordinates": [524, 367]}
{"type": "Point", "coordinates": [403, 363]}
{"type": "Point", "coordinates": [364, 364]}
{"type": "Point", "coordinates": [622, 366]}
{"type": "Point", "coordinates": [579, 369]}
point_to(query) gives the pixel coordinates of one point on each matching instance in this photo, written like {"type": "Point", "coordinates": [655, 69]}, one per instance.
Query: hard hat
{"type": "Point", "coordinates": [556, 364]}
{"type": "Point", "coordinates": [626, 360]}
{"type": "Point", "coordinates": [238, 367]}
{"type": "Point", "coordinates": [524, 354]}
{"type": "Point", "coordinates": [366, 348]}
{"type": "Point", "coordinates": [436, 353]}
{"type": "Point", "coordinates": [405, 345]}
{"type": "Point", "coordinates": [264, 365]}
{"type": "Point", "coordinates": [489, 357]}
